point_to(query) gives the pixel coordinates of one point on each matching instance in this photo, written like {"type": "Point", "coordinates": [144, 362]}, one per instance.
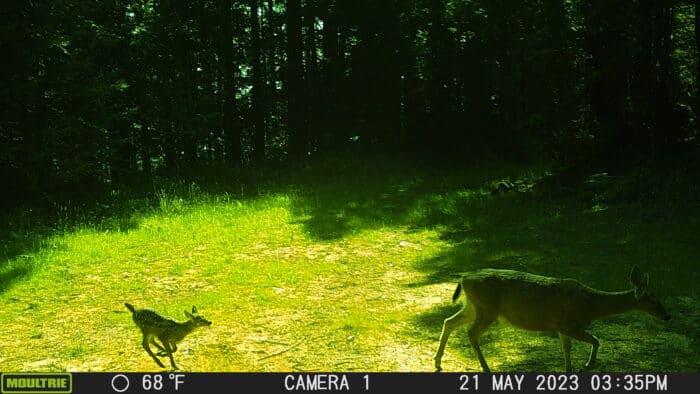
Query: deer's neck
{"type": "Point", "coordinates": [189, 327]}
{"type": "Point", "coordinates": [184, 329]}
{"type": "Point", "coordinates": [611, 303]}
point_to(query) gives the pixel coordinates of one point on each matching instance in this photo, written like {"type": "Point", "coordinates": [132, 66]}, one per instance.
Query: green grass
{"type": "Point", "coordinates": [344, 267]}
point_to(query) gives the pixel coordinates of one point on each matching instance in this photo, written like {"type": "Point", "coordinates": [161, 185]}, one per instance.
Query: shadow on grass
{"type": "Point", "coordinates": [570, 236]}
{"type": "Point", "coordinates": [8, 275]}
{"type": "Point", "coordinates": [338, 197]}
{"type": "Point", "coordinates": [17, 249]}
{"type": "Point", "coordinates": [25, 231]}
{"type": "Point", "coordinates": [594, 230]}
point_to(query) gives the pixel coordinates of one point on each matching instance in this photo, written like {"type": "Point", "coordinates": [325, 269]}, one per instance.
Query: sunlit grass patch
{"type": "Point", "coordinates": [243, 264]}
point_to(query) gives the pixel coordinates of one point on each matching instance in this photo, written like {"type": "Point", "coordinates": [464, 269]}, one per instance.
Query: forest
{"type": "Point", "coordinates": [102, 95]}
{"type": "Point", "coordinates": [325, 170]}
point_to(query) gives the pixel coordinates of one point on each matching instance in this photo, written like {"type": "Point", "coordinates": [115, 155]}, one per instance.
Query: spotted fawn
{"type": "Point", "coordinates": [169, 332]}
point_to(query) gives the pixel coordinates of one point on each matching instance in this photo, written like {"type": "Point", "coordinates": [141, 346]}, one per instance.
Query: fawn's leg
{"type": "Point", "coordinates": [449, 325]}
{"type": "Point", "coordinates": [161, 351]}
{"type": "Point", "coordinates": [169, 351]}
{"type": "Point", "coordinates": [590, 339]}
{"type": "Point", "coordinates": [145, 345]}
{"type": "Point", "coordinates": [566, 345]}
{"type": "Point", "coordinates": [481, 323]}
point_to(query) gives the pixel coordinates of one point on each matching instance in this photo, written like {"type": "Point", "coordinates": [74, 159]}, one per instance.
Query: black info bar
{"type": "Point", "coordinates": [353, 382]}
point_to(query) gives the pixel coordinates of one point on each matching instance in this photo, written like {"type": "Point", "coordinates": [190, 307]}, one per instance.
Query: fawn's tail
{"type": "Point", "coordinates": [130, 307]}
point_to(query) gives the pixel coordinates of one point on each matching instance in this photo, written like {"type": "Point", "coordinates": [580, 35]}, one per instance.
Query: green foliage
{"type": "Point", "coordinates": [98, 97]}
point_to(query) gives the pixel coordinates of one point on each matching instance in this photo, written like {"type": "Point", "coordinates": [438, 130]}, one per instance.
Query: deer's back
{"type": "Point", "coordinates": [153, 323]}
{"type": "Point", "coordinates": [525, 300]}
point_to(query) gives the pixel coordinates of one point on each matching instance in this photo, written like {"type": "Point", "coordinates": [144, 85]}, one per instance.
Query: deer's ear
{"type": "Point", "coordinates": [194, 309]}
{"type": "Point", "coordinates": [641, 287]}
{"type": "Point", "coordinates": [189, 315]}
{"type": "Point", "coordinates": [645, 281]}
{"type": "Point", "coordinates": [635, 276]}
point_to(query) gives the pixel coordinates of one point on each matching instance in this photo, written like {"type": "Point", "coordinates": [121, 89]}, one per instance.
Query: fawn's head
{"type": "Point", "coordinates": [197, 319]}
{"type": "Point", "coordinates": [647, 301]}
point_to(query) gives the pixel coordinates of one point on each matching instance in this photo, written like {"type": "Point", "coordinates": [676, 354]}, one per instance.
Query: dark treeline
{"type": "Point", "coordinates": [100, 94]}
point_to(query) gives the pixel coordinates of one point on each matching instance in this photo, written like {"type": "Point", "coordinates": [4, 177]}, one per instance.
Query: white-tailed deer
{"type": "Point", "coordinates": [168, 331]}
{"type": "Point", "coordinates": [541, 303]}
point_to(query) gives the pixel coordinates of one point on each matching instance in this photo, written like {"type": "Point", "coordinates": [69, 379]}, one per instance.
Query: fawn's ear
{"type": "Point", "coordinates": [194, 309]}
{"type": "Point", "coordinates": [189, 315]}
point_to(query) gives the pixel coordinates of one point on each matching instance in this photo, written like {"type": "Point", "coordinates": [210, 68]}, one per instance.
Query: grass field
{"type": "Point", "coordinates": [348, 267]}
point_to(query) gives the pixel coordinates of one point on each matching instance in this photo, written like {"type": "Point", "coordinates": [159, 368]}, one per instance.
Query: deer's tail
{"type": "Point", "coordinates": [457, 293]}
{"type": "Point", "coordinates": [129, 307]}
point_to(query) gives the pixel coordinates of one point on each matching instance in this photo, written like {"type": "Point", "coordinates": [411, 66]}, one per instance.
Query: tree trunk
{"type": "Point", "coordinates": [165, 122]}
{"type": "Point", "coordinates": [296, 100]}
{"type": "Point", "coordinates": [606, 45]}
{"type": "Point", "coordinates": [257, 94]}
{"type": "Point", "coordinates": [667, 129]}
{"type": "Point", "coordinates": [437, 135]}
{"type": "Point", "coordinates": [697, 66]}
{"type": "Point", "coordinates": [312, 79]}
{"type": "Point", "coordinates": [232, 132]}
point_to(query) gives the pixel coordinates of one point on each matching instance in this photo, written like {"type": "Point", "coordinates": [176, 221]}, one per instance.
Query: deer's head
{"type": "Point", "coordinates": [199, 320]}
{"type": "Point", "coordinates": [647, 301]}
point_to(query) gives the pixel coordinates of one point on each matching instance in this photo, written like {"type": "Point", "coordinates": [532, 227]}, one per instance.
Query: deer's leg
{"type": "Point", "coordinates": [145, 344]}
{"type": "Point", "coordinates": [169, 351]}
{"type": "Point", "coordinates": [481, 323]}
{"type": "Point", "coordinates": [566, 345]}
{"type": "Point", "coordinates": [590, 339]}
{"type": "Point", "coordinates": [161, 351]}
{"type": "Point", "coordinates": [449, 325]}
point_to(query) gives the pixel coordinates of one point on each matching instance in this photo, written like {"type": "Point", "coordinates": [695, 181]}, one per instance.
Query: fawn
{"type": "Point", "coordinates": [541, 303]}
{"type": "Point", "coordinates": [168, 331]}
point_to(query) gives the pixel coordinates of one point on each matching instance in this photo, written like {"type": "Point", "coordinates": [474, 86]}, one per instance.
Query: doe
{"type": "Point", "coordinates": [542, 303]}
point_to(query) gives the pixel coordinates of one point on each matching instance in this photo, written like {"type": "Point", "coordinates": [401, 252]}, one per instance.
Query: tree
{"type": "Point", "coordinates": [257, 93]}
{"type": "Point", "coordinates": [697, 67]}
{"type": "Point", "coordinates": [228, 70]}
{"type": "Point", "coordinates": [296, 99]}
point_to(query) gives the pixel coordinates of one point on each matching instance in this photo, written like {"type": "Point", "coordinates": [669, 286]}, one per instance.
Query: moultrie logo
{"type": "Point", "coordinates": [36, 383]}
